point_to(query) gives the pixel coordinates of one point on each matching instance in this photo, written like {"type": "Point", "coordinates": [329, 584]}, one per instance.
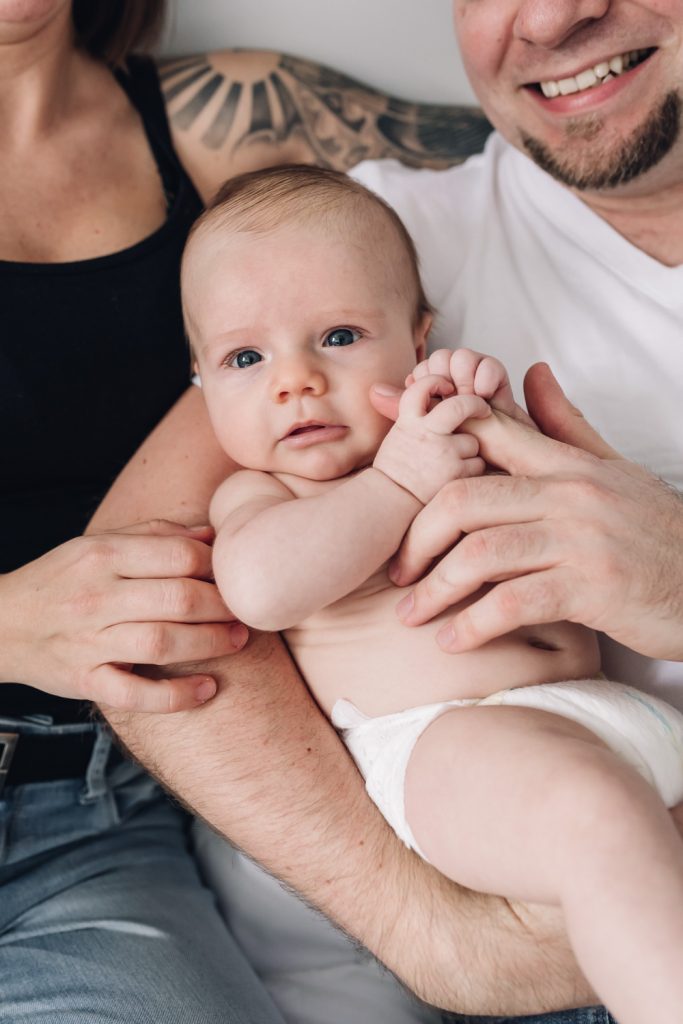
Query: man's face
{"type": "Point", "coordinates": [590, 89]}
{"type": "Point", "coordinates": [290, 330]}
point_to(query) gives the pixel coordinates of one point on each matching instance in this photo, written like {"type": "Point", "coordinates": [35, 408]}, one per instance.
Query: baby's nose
{"type": "Point", "coordinates": [298, 378]}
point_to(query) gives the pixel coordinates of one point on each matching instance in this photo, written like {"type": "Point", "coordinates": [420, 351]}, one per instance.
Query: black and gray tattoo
{"type": "Point", "coordinates": [340, 120]}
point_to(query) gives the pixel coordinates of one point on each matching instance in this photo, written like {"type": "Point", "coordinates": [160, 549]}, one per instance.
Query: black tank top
{"type": "Point", "coordinates": [92, 354]}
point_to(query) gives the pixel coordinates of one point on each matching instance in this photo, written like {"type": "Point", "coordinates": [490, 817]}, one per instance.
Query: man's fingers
{"type": "Point", "coordinates": [117, 688]}
{"type": "Point", "coordinates": [557, 417]}
{"type": "Point", "coordinates": [162, 643]}
{"type": "Point", "coordinates": [519, 450]}
{"type": "Point", "coordinates": [463, 506]}
{"type": "Point", "coordinates": [524, 601]}
{"type": "Point", "coordinates": [486, 556]}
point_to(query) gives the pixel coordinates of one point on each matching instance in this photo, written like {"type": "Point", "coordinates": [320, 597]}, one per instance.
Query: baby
{"type": "Point", "coordinates": [512, 768]}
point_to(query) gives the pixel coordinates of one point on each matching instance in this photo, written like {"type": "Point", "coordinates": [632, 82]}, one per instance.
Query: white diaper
{"type": "Point", "coordinates": [643, 730]}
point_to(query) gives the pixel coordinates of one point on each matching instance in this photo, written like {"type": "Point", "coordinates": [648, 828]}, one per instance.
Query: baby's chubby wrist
{"type": "Point", "coordinates": [397, 463]}
{"type": "Point", "coordinates": [385, 488]}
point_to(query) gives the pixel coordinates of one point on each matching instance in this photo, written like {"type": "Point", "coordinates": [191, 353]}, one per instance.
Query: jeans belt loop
{"type": "Point", "coordinates": [8, 744]}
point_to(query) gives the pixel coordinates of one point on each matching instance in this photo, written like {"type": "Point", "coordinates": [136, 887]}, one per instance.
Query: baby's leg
{"type": "Point", "coordinates": [533, 807]}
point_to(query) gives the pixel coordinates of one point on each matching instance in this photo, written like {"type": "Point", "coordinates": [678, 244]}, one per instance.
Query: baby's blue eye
{"type": "Point", "coordinates": [247, 357]}
{"type": "Point", "coordinates": [341, 336]}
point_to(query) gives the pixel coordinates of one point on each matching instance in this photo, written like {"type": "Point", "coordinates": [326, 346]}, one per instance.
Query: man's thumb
{"type": "Point", "coordinates": [385, 399]}
{"type": "Point", "coordinates": [556, 417]}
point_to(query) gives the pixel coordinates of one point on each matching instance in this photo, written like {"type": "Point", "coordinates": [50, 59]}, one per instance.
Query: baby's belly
{"type": "Point", "coordinates": [358, 649]}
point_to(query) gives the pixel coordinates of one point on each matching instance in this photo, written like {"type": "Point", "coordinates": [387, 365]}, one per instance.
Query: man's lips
{"type": "Point", "coordinates": [302, 435]}
{"type": "Point", "coordinates": [590, 76]}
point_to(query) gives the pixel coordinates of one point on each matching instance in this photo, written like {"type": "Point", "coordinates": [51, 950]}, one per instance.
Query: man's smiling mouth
{"type": "Point", "coordinates": [602, 72]}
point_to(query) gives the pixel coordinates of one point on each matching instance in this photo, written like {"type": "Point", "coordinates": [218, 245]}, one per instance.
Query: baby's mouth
{"type": "Point", "coordinates": [306, 428]}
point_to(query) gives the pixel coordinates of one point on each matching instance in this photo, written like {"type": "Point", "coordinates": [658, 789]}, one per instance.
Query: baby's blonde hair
{"type": "Point", "coordinates": [262, 201]}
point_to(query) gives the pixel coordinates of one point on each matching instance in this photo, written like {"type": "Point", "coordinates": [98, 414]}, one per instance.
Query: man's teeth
{"type": "Point", "coordinates": [603, 72]}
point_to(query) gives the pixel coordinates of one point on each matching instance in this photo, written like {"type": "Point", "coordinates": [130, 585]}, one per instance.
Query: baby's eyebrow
{"type": "Point", "coordinates": [353, 314]}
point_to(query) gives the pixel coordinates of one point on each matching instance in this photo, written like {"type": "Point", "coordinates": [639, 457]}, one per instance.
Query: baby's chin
{"type": "Point", "coordinates": [322, 468]}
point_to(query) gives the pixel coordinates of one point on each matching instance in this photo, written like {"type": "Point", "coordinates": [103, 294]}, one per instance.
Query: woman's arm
{"type": "Point", "coordinates": [232, 111]}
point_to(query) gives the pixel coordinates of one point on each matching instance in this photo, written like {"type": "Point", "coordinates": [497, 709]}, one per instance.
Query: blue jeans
{"type": "Point", "coordinates": [103, 916]}
{"type": "Point", "coordinates": [589, 1015]}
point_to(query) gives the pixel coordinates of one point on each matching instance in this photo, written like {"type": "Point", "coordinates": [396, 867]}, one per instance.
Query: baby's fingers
{"type": "Point", "coordinates": [451, 413]}
{"type": "Point", "coordinates": [416, 400]}
{"type": "Point", "coordinates": [475, 373]}
{"type": "Point", "coordinates": [437, 363]}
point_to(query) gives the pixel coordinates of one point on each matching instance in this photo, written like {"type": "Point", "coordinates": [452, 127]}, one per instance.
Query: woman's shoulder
{"type": "Point", "coordinates": [236, 110]}
{"type": "Point", "coordinates": [225, 113]}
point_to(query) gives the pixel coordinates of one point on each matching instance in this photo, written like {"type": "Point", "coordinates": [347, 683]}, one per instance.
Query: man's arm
{"type": "Point", "coordinates": [263, 767]}
{"type": "Point", "coordinates": [574, 532]}
{"type": "Point", "coordinates": [235, 110]}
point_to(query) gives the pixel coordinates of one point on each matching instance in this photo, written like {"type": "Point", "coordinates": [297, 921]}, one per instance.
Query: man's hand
{"type": "Point", "coordinates": [76, 621]}
{"type": "Point", "coordinates": [422, 452]}
{"type": "Point", "coordinates": [574, 533]}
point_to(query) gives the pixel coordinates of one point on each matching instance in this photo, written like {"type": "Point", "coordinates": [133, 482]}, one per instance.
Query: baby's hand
{"type": "Point", "coordinates": [472, 374]}
{"type": "Point", "coordinates": [421, 452]}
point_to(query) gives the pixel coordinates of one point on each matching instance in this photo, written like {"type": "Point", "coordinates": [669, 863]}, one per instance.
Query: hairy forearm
{"type": "Point", "coordinates": [263, 767]}
{"type": "Point", "coordinates": [246, 109]}
{"type": "Point", "coordinates": [293, 558]}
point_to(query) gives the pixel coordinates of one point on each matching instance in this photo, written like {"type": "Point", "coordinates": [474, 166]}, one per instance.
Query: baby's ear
{"type": "Point", "coordinates": [421, 335]}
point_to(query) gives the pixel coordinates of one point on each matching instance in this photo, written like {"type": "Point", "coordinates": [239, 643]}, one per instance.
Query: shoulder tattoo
{"type": "Point", "coordinates": [340, 121]}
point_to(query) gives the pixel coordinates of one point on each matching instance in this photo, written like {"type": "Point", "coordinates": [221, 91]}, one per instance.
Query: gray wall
{"type": "Point", "coordinates": [405, 47]}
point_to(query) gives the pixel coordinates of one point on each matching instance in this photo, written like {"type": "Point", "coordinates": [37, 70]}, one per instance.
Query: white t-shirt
{"type": "Point", "coordinates": [517, 266]}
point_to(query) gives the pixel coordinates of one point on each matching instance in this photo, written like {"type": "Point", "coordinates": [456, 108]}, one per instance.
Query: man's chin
{"type": "Point", "coordinates": [604, 166]}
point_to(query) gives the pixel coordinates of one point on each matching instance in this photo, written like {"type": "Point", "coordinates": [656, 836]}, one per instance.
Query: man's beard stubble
{"type": "Point", "coordinates": [636, 155]}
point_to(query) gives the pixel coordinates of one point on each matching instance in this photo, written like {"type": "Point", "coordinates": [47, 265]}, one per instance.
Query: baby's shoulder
{"type": "Point", "coordinates": [243, 488]}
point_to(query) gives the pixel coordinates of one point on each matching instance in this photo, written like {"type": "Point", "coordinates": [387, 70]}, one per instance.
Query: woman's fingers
{"type": "Point", "coordinates": [134, 555]}
{"type": "Point", "coordinates": [115, 687]}
{"type": "Point", "coordinates": [164, 643]}
{"type": "Point", "coordinates": [170, 600]}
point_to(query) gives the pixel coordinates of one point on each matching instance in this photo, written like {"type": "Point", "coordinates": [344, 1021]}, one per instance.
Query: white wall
{"type": "Point", "coordinates": [405, 47]}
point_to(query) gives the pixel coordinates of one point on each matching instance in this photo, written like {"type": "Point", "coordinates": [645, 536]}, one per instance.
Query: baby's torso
{"type": "Point", "coordinates": [358, 649]}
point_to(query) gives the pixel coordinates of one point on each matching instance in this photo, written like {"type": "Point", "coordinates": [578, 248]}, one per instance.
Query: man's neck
{"type": "Point", "coordinates": [652, 220]}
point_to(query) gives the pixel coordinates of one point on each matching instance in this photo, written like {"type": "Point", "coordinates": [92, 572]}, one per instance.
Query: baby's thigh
{"type": "Point", "coordinates": [488, 788]}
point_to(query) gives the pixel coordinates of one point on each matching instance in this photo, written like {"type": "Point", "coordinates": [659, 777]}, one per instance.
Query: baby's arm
{"type": "Point", "coordinates": [278, 558]}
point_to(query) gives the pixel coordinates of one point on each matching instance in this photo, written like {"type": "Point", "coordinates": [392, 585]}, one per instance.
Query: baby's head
{"type": "Point", "coordinates": [300, 290]}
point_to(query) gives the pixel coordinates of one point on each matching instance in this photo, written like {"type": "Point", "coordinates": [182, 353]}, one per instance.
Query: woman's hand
{"type": "Point", "coordinates": [75, 621]}
{"type": "Point", "coordinates": [575, 532]}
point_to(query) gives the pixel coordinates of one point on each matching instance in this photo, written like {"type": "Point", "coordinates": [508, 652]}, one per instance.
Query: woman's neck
{"type": "Point", "coordinates": [37, 62]}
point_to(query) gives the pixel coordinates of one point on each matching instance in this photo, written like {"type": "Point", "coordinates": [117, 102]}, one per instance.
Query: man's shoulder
{"type": "Point", "coordinates": [429, 193]}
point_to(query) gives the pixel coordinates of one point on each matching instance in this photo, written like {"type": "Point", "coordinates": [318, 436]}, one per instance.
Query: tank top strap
{"type": "Point", "coordinates": [140, 81]}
